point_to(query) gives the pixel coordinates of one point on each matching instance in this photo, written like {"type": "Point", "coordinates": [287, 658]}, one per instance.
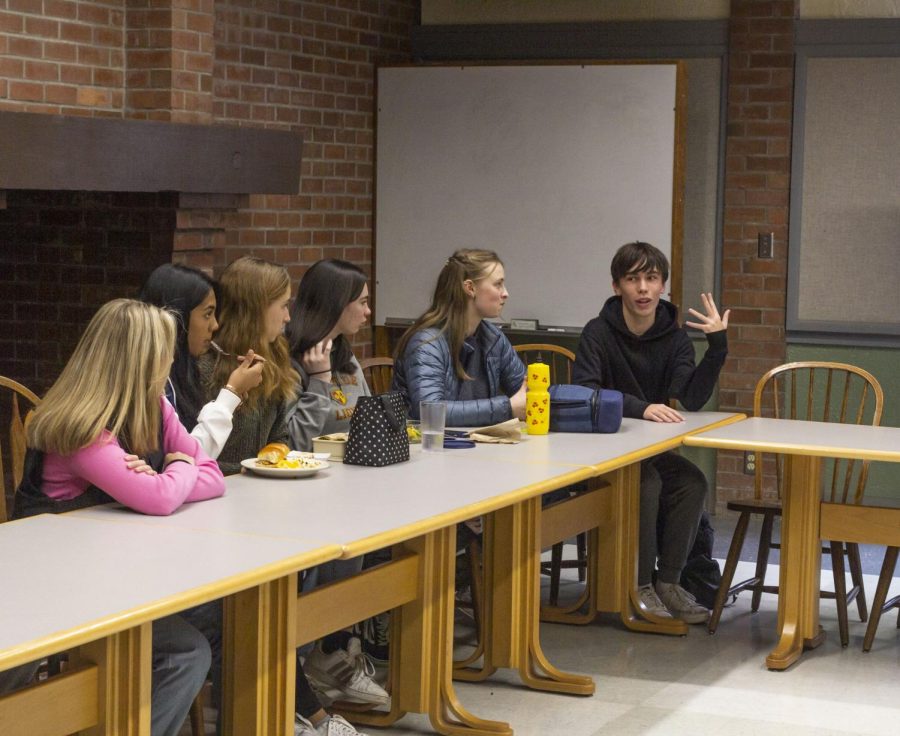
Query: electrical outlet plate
{"type": "Point", "coordinates": [766, 245]}
{"type": "Point", "coordinates": [749, 462]}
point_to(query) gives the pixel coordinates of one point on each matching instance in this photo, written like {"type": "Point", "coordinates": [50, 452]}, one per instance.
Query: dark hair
{"type": "Point", "coordinates": [324, 291]}
{"type": "Point", "coordinates": [180, 289]}
{"type": "Point", "coordinates": [638, 256]}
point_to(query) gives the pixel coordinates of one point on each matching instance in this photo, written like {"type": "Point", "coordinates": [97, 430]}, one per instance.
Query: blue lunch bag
{"type": "Point", "coordinates": [583, 409]}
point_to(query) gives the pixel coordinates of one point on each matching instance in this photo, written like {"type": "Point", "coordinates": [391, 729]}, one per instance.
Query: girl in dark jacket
{"type": "Point", "coordinates": [452, 353]}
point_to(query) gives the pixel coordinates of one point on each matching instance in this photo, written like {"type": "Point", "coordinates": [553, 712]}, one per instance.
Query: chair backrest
{"type": "Point", "coordinates": [821, 391]}
{"type": "Point", "coordinates": [558, 358]}
{"type": "Point", "coordinates": [379, 373]}
{"type": "Point", "coordinates": [16, 435]}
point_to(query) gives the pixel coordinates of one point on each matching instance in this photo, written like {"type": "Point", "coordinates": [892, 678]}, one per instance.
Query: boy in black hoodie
{"type": "Point", "coordinates": [637, 347]}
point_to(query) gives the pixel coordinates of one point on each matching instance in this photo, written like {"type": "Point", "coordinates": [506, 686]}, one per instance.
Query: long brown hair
{"type": "Point", "coordinates": [247, 288]}
{"type": "Point", "coordinates": [449, 305]}
{"type": "Point", "coordinates": [113, 381]}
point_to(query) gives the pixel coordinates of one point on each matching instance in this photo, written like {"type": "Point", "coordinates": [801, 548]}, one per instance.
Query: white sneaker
{"type": "Point", "coordinates": [331, 726]}
{"type": "Point", "coordinates": [681, 604]}
{"type": "Point", "coordinates": [651, 602]}
{"type": "Point", "coordinates": [344, 674]}
{"type": "Point", "coordinates": [302, 727]}
{"type": "Point", "coordinates": [337, 726]}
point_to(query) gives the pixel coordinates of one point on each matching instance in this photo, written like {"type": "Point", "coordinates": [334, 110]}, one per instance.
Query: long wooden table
{"type": "Point", "coordinates": [806, 519]}
{"type": "Point", "coordinates": [94, 586]}
{"type": "Point", "coordinates": [609, 511]}
{"type": "Point", "coordinates": [413, 507]}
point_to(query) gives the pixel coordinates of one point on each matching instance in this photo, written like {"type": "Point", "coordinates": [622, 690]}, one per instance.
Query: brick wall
{"type": "Point", "coordinates": [62, 56]}
{"type": "Point", "coordinates": [757, 184]}
{"type": "Point", "coordinates": [309, 67]}
{"type": "Point", "coordinates": [295, 65]}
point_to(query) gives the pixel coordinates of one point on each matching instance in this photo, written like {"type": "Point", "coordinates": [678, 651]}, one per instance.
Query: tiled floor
{"type": "Point", "coordinates": [701, 684]}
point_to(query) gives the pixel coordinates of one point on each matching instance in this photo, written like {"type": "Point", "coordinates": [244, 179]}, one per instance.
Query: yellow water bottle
{"type": "Point", "coordinates": [537, 398]}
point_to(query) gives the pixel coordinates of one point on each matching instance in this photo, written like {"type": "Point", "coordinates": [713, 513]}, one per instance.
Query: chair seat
{"type": "Point", "coordinates": [756, 506]}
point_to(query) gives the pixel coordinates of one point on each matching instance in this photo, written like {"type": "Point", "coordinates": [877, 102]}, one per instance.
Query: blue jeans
{"type": "Point", "coordinates": [181, 660]}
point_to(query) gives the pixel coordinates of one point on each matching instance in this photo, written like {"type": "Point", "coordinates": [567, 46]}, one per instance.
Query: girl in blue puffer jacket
{"type": "Point", "coordinates": [451, 353]}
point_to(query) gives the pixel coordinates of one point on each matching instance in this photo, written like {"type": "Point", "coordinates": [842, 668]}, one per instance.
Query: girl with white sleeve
{"type": "Point", "coordinates": [191, 295]}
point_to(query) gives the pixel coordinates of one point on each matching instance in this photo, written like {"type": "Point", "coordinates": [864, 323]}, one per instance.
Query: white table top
{"type": "Point", "coordinates": [793, 436]}
{"type": "Point", "coordinates": [67, 579]}
{"type": "Point", "coordinates": [367, 508]}
{"type": "Point", "coordinates": [635, 440]}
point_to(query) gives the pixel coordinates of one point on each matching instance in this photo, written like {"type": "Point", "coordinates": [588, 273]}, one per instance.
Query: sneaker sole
{"type": "Point", "coordinates": [335, 692]}
{"type": "Point", "coordinates": [693, 618]}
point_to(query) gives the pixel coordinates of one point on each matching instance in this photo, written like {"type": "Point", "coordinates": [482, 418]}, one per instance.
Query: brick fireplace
{"type": "Point", "coordinates": [305, 67]}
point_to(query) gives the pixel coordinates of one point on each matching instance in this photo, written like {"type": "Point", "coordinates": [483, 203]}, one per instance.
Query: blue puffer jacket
{"type": "Point", "coordinates": [426, 373]}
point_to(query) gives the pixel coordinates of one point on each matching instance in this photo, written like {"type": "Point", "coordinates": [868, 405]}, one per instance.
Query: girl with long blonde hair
{"type": "Point", "coordinates": [452, 353]}
{"type": "Point", "coordinates": [254, 300]}
{"type": "Point", "coordinates": [105, 408]}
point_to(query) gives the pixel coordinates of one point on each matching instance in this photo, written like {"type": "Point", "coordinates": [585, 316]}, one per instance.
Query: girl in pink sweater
{"type": "Point", "coordinates": [107, 407]}
{"type": "Point", "coordinates": [104, 418]}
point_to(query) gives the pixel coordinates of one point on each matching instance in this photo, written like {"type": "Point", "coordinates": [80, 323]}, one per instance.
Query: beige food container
{"type": "Point", "coordinates": [333, 443]}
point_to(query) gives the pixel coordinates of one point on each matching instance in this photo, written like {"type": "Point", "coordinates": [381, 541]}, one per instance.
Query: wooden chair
{"type": "Point", "coordinates": [560, 360]}
{"type": "Point", "coordinates": [812, 391]}
{"type": "Point", "coordinates": [16, 437]}
{"type": "Point", "coordinates": [879, 605]}
{"type": "Point", "coordinates": [379, 373]}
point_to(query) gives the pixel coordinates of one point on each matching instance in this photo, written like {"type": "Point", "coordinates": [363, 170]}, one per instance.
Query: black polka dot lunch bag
{"type": "Point", "coordinates": [378, 431]}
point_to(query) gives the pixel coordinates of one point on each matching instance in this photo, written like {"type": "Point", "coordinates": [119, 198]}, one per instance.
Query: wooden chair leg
{"type": "Point", "coordinates": [884, 582]}
{"type": "Point", "coordinates": [476, 576]}
{"type": "Point", "coordinates": [856, 578]}
{"type": "Point", "coordinates": [734, 554]}
{"type": "Point", "coordinates": [762, 559]}
{"type": "Point", "coordinates": [581, 547]}
{"type": "Point", "coordinates": [556, 553]}
{"type": "Point", "coordinates": [198, 726]}
{"type": "Point", "coordinates": [840, 590]}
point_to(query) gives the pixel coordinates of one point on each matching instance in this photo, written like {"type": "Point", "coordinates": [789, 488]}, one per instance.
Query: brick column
{"type": "Point", "coordinates": [757, 190]}
{"type": "Point", "coordinates": [201, 223]}
{"type": "Point", "coordinates": [169, 61]}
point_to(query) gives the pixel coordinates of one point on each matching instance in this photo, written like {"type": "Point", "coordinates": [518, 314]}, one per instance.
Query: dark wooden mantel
{"type": "Point", "coordinates": [57, 152]}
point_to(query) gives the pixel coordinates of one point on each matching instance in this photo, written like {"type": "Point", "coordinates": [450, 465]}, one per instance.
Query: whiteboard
{"type": "Point", "coordinates": [554, 167]}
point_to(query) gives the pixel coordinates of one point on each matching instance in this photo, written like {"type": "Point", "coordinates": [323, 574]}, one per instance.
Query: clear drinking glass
{"type": "Point", "coordinates": [432, 414]}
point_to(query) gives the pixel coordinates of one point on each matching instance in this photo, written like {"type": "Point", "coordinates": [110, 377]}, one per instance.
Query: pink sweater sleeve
{"type": "Point", "coordinates": [103, 465]}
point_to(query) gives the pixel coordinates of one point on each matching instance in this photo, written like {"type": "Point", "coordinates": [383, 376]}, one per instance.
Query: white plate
{"type": "Point", "coordinates": [250, 464]}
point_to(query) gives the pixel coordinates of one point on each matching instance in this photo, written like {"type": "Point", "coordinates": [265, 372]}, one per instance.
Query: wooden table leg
{"type": "Point", "coordinates": [801, 561]}
{"type": "Point", "coordinates": [619, 542]}
{"type": "Point", "coordinates": [259, 660]}
{"type": "Point", "coordinates": [124, 663]}
{"type": "Point", "coordinates": [424, 679]}
{"type": "Point", "coordinates": [511, 636]}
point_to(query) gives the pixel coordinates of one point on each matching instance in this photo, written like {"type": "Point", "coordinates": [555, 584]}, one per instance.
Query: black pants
{"type": "Point", "coordinates": [677, 487]}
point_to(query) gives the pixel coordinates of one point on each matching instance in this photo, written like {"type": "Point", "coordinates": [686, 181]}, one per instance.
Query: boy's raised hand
{"type": "Point", "coordinates": [711, 321]}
